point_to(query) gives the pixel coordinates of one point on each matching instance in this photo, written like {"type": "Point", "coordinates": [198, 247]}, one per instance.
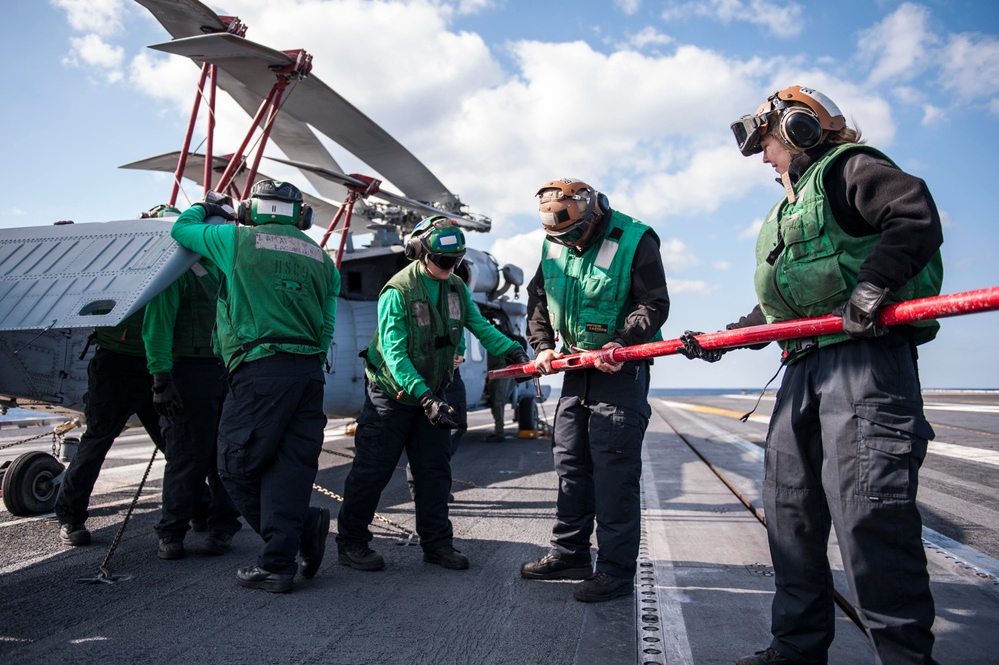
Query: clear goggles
{"type": "Point", "coordinates": [571, 235]}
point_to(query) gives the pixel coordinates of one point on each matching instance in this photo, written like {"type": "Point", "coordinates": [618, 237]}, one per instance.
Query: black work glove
{"type": "Point", "coordinates": [518, 356]}
{"type": "Point", "coordinates": [860, 312]}
{"type": "Point", "coordinates": [692, 348]}
{"type": "Point", "coordinates": [217, 204]}
{"type": "Point", "coordinates": [166, 399]}
{"type": "Point", "coordinates": [754, 318]}
{"type": "Point", "coordinates": [439, 412]}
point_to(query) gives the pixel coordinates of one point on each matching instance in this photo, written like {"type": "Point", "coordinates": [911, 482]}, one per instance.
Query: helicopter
{"type": "Point", "coordinates": [59, 282]}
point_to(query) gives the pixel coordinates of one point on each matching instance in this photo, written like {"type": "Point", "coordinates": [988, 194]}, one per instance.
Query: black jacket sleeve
{"type": "Point", "coordinates": [870, 195]}
{"type": "Point", "coordinates": [649, 294]}
{"type": "Point", "coordinates": [540, 334]}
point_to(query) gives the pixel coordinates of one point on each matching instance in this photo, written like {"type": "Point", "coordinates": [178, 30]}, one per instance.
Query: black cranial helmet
{"type": "Point", "coordinates": [276, 202]}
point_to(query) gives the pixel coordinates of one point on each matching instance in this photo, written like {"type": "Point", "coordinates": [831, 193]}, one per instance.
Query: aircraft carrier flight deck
{"type": "Point", "coordinates": [702, 594]}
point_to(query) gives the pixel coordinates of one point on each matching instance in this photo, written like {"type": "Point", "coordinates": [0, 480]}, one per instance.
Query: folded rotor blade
{"type": "Point", "coordinates": [314, 103]}
{"type": "Point", "coordinates": [397, 199]}
{"type": "Point", "coordinates": [196, 170]}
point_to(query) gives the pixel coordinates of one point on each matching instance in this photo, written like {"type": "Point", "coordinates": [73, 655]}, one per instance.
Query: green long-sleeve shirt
{"type": "Point", "coordinates": [161, 319]}
{"type": "Point", "coordinates": [395, 337]}
{"type": "Point", "coordinates": [218, 243]}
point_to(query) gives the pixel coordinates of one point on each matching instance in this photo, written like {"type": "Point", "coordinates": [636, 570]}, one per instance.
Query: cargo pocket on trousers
{"type": "Point", "coordinates": [891, 444]}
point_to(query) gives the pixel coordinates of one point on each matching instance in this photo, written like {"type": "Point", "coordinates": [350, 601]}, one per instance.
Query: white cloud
{"type": "Point", "coordinates": [650, 130]}
{"type": "Point", "coordinates": [969, 67]}
{"type": "Point", "coordinates": [695, 286]}
{"type": "Point", "coordinates": [102, 17]}
{"type": "Point", "coordinates": [946, 221]}
{"type": "Point", "coordinates": [752, 231]}
{"type": "Point", "coordinates": [91, 50]}
{"type": "Point", "coordinates": [473, 6]}
{"type": "Point", "coordinates": [629, 7]}
{"type": "Point", "coordinates": [900, 46]}
{"type": "Point", "coordinates": [933, 114]}
{"type": "Point", "coordinates": [779, 19]}
{"type": "Point", "coordinates": [646, 37]}
{"type": "Point", "coordinates": [677, 257]}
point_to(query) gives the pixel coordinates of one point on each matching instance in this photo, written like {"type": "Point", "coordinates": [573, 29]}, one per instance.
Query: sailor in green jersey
{"type": "Point", "coordinates": [188, 391]}
{"type": "Point", "coordinates": [600, 284]}
{"type": "Point", "coordinates": [118, 386]}
{"type": "Point", "coordinates": [276, 312]}
{"type": "Point", "coordinates": [848, 434]}
{"type": "Point", "coordinates": [422, 314]}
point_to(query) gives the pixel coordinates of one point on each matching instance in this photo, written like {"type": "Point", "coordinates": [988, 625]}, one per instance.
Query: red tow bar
{"type": "Point", "coordinates": [923, 309]}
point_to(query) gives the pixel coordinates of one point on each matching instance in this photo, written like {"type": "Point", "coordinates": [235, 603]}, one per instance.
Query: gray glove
{"type": "Point", "coordinates": [166, 399]}
{"type": "Point", "coordinates": [692, 348]}
{"type": "Point", "coordinates": [216, 204]}
{"type": "Point", "coordinates": [439, 412]}
{"type": "Point", "coordinates": [860, 312]}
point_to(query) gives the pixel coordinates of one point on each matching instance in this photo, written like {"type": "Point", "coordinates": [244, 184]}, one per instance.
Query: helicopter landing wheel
{"type": "Point", "coordinates": [527, 415]}
{"type": "Point", "coordinates": [29, 486]}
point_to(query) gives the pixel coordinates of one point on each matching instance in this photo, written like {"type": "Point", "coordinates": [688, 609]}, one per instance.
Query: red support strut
{"type": "Point", "coordinates": [346, 210]}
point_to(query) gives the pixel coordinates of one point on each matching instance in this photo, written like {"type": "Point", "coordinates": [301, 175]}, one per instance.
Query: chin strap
{"type": "Point", "coordinates": [785, 180]}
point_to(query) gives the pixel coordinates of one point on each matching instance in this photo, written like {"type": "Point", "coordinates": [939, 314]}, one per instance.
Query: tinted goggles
{"type": "Point", "coordinates": [446, 261]}
{"type": "Point", "coordinates": [749, 129]}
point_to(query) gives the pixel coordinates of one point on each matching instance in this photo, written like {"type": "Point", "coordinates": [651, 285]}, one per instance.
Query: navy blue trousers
{"type": "Point", "coordinates": [118, 386]}
{"type": "Point", "coordinates": [386, 428]}
{"type": "Point", "coordinates": [191, 441]}
{"type": "Point", "coordinates": [270, 438]}
{"type": "Point", "coordinates": [597, 446]}
{"type": "Point", "coordinates": [846, 440]}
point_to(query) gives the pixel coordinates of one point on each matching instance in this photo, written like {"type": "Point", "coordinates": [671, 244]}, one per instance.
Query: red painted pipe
{"type": "Point", "coordinates": [936, 307]}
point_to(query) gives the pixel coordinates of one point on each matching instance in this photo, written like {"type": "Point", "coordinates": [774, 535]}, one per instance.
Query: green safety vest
{"type": "Point", "coordinates": [274, 297]}
{"type": "Point", "coordinates": [192, 329]}
{"type": "Point", "coordinates": [589, 295]}
{"type": "Point", "coordinates": [434, 333]}
{"type": "Point", "coordinates": [818, 267]}
{"type": "Point", "coordinates": [126, 337]}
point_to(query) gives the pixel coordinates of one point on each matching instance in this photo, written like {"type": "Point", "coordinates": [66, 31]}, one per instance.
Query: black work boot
{"type": "Point", "coordinates": [171, 547]}
{"type": "Point", "coordinates": [314, 547]}
{"type": "Point", "coordinates": [553, 567]}
{"type": "Point", "coordinates": [217, 543]}
{"type": "Point", "coordinates": [74, 535]}
{"type": "Point", "coordinates": [601, 586]}
{"type": "Point", "coordinates": [360, 558]}
{"type": "Point", "coordinates": [771, 655]}
{"type": "Point", "coordinates": [448, 557]}
{"type": "Point", "coordinates": [254, 577]}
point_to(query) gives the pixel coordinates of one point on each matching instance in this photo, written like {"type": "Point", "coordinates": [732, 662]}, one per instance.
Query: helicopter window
{"type": "Point", "coordinates": [473, 348]}
{"type": "Point", "coordinates": [97, 308]}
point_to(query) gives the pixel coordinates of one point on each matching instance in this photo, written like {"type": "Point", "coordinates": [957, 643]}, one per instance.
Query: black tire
{"type": "Point", "coordinates": [527, 414]}
{"type": "Point", "coordinates": [28, 487]}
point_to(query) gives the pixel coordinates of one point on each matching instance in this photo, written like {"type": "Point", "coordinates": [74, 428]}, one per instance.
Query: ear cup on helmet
{"type": "Point", "coordinates": [243, 213]}
{"type": "Point", "coordinates": [414, 249]}
{"type": "Point", "coordinates": [603, 202]}
{"type": "Point", "coordinates": [305, 216]}
{"type": "Point", "coordinates": [800, 128]}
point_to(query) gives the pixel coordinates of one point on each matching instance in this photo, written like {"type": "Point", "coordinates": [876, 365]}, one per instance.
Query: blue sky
{"type": "Point", "coordinates": [634, 97]}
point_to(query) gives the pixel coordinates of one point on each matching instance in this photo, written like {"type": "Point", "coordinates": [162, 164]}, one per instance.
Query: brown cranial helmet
{"type": "Point", "coordinates": [567, 208]}
{"type": "Point", "coordinates": [799, 116]}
